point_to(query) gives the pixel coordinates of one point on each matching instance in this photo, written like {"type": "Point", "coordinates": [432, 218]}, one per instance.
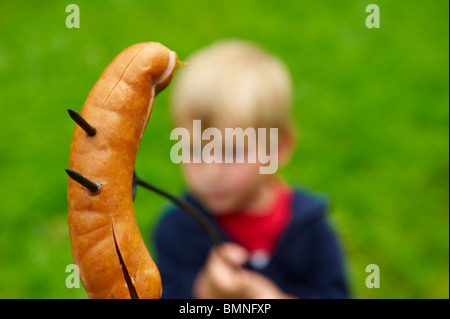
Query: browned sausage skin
{"type": "Point", "coordinates": [106, 243]}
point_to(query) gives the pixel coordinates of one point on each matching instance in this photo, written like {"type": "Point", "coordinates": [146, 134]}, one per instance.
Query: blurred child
{"type": "Point", "coordinates": [278, 242]}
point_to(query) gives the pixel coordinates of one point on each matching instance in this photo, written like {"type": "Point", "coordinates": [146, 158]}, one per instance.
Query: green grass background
{"type": "Point", "coordinates": [371, 106]}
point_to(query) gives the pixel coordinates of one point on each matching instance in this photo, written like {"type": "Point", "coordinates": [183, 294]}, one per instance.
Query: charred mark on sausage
{"type": "Point", "coordinates": [126, 275]}
{"type": "Point", "coordinates": [77, 177]}
{"type": "Point", "coordinates": [89, 129]}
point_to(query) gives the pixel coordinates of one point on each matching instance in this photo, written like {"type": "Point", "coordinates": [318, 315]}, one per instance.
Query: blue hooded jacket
{"type": "Point", "coordinates": [307, 262]}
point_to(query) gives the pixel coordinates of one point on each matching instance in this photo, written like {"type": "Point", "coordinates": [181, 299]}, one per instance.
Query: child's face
{"type": "Point", "coordinates": [224, 187]}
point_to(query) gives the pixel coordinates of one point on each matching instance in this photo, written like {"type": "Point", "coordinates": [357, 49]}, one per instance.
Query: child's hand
{"type": "Point", "coordinates": [223, 277]}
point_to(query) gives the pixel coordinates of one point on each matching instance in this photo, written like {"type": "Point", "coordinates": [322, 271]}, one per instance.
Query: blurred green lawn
{"type": "Point", "coordinates": [371, 106]}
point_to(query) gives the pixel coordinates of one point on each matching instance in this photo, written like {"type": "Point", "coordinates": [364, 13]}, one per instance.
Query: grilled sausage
{"type": "Point", "coordinates": [106, 243]}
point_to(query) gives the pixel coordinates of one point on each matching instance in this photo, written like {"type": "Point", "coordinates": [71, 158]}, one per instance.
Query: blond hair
{"type": "Point", "coordinates": [233, 84]}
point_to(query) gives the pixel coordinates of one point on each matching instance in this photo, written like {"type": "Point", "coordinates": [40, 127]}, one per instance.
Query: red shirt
{"type": "Point", "coordinates": [259, 232]}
